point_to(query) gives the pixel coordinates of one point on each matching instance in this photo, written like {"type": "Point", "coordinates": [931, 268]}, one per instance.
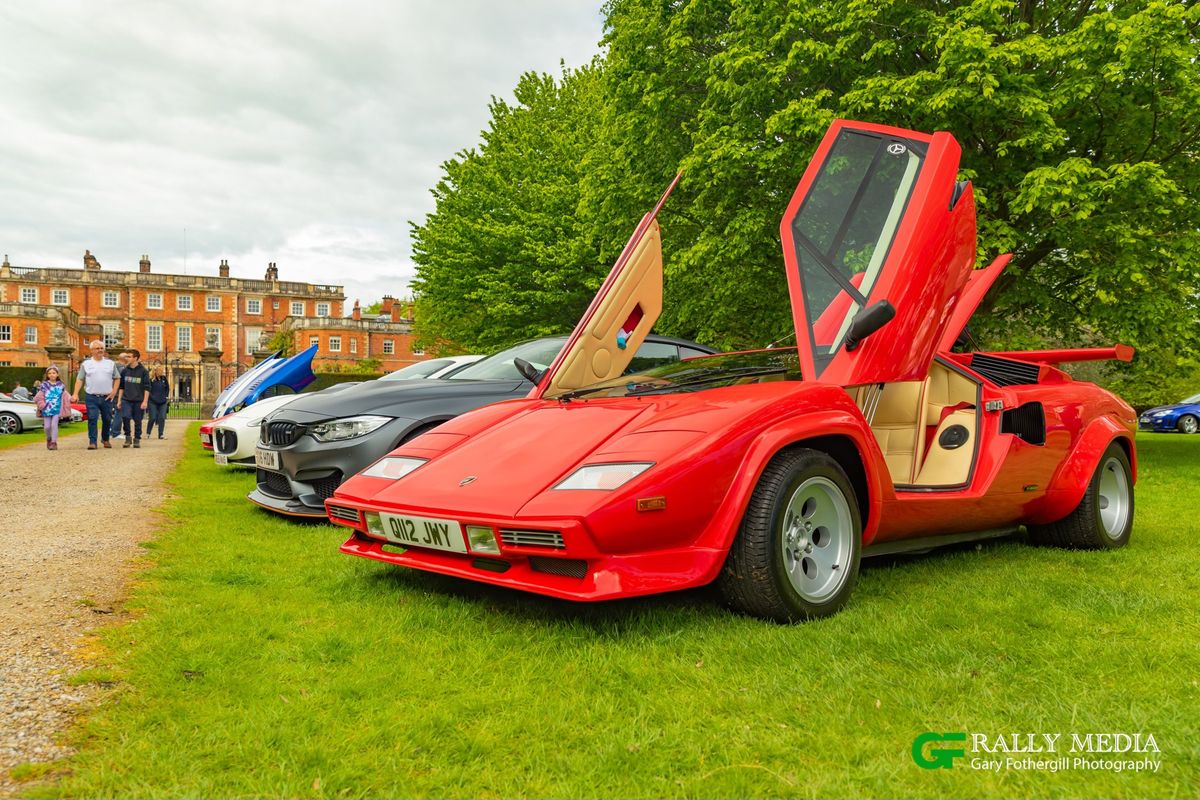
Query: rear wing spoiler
{"type": "Point", "coordinates": [1118, 352]}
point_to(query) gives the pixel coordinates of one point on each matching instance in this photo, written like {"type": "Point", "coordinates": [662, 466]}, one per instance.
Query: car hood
{"type": "Point", "coordinates": [1173, 408]}
{"type": "Point", "coordinates": [393, 398]}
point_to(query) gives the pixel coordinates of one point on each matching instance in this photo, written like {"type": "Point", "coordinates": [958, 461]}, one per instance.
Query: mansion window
{"type": "Point", "coordinates": [5, 333]}
{"type": "Point", "coordinates": [353, 345]}
{"type": "Point", "coordinates": [322, 309]}
{"type": "Point", "coordinates": [313, 341]}
{"type": "Point", "coordinates": [253, 305]}
{"type": "Point", "coordinates": [418, 351]}
{"type": "Point", "coordinates": [60, 297]}
{"type": "Point", "coordinates": [212, 302]}
{"type": "Point", "coordinates": [389, 347]}
{"type": "Point", "coordinates": [112, 334]}
{"type": "Point", "coordinates": [183, 338]}
{"type": "Point", "coordinates": [154, 338]}
{"type": "Point", "coordinates": [183, 302]}
{"type": "Point", "coordinates": [335, 344]}
{"type": "Point", "coordinates": [154, 301]}
{"type": "Point", "coordinates": [110, 300]}
{"type": "Point", "coordinates": [252, 336]}
{"type": "Point", "coordinates": [212, 329]}
{"type": "Point", "coordinates": [29, 294]}
{"type": "Point", "coordinates": [297, 309]}
{"type": "Point", "coordinates": [30, 334]}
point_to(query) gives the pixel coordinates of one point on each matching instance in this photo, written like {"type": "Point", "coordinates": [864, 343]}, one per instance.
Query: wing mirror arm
{"type": "Point", "coordinates": [528, 371]}
{"type": "Point", "coordinates": [867, 321]}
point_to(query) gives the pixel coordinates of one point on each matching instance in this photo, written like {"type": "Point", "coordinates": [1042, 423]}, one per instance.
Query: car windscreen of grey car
{"type": "Point", "coordinates": [308, 447]}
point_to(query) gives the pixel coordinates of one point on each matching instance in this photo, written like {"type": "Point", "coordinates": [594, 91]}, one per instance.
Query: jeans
{"type": "Point", "coordinates": [50, 425]}
{"type": "Point", "coordinates": [100, 409]}
{"type": "Point", "coordinates": [155, 413]}
{"type": "Point", "coordinates": [132, 411]}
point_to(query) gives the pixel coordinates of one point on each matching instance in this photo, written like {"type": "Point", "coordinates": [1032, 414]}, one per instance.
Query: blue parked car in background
{"type": "Point", "coordinates": [1183, 416]}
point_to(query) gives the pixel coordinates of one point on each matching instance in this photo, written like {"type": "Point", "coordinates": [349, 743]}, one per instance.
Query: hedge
{"type": "Point", "coordinates": [26, 375]}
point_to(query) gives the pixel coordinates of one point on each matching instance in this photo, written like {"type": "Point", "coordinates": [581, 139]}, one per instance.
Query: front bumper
{"type": "Point", "coordinates": [310, 471]}
{"type": "Point", "coordinates": [575, 571]}
{"type": "Point", "coordinates": [1157, 425]}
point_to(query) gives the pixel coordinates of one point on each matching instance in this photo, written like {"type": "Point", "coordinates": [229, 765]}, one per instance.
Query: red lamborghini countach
{"type": "Point", "coordinates": [771, 472]}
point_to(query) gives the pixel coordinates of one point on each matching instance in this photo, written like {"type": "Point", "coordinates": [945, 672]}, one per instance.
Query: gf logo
{"type": "Point", "coordinates": [466, 480]}
{"type": "Point", "coordinates": [938, 757]}
{"type": "Point", "coordinates": [895, 148]}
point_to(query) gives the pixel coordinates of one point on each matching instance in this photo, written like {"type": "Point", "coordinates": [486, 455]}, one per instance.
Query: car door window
{"type": "Point", "coordinates": [652, 354]}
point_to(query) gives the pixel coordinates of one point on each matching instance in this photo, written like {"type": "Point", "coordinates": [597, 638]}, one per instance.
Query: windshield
{"type": "Point", "coordinates": [422, 369]}
{"type": "Point", "coordinates": [500, 367]}
{"type": "Point", "coordinates": [845, 227]}
{"type": "Point", "coordinates": [696, 374]}
{"type": "Point", "coordinates": [1193, 399]}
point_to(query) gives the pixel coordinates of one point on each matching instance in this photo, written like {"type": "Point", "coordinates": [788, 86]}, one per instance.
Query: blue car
{"type": "Point", "coordinates": [1183, 416]}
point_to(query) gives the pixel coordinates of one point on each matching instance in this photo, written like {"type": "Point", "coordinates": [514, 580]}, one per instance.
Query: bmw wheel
{"type": "Point", "coordinates": [9, 423]}
{"type": "Point", "coordinates": [1103, 519]}
{"type": "Point", "coordinates": [797, 551]}
{"type": "Point", "coordinates": [1188, 424]}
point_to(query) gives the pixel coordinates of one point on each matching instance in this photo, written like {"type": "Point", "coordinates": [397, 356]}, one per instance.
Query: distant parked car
{"type": "Point", "coordinates": [1183, 416]}
{"type": "Point", "coordinates": [434, 368]}
{"type": "Point", "coordinates": [235, 436]}
{"type": "Point", "coordinates": [81, 409]}
{"type": "Point", "coordinates": [17, 415]}
{"type": "Point", "coordinates": [307, 448]}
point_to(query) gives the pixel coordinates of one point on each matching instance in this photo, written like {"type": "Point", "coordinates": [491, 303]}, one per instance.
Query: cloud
{"type": "Point", "coordinates": [305, 133]}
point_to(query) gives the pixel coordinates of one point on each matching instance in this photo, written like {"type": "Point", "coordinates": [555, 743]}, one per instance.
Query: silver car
{"type": "Point", "coordinates": [17, 415]}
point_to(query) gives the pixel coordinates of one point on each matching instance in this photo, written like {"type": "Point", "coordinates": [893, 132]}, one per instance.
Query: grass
{"type": "Point", "coordinates": [264, 663]}
{"type": "Point", "coordinates": [32, 434]}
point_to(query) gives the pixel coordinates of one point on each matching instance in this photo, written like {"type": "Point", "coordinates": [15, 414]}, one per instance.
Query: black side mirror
{"type": "Point", "coordinates": [527, 370]}
{"type": "Point", "coordinates": [867, 321]}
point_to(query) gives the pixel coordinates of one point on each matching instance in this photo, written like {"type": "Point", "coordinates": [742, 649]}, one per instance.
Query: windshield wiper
{"type": "Point", "coordinates": [717, 375]}
{"type": "Point", "coordinates": [586, 390]}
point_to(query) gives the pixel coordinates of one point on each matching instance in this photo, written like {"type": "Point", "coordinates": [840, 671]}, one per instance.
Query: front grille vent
{"type": "Point", "coordinates": [281, 434]}
{"type": "Point", "coordinates": [1003, 372]}
{"type": "Point", "coordinates": [566, 567]}
{"type": "Point", "coordinates": [343, 513]}
{"type": "Point", "coordinates": [274, 483]}
{"type": "Point", "coordinates": [325, 487]}
{"type": "Point", "coordinates": [552, 540]}
{"type": "Point", "coordinates": [225, 441]}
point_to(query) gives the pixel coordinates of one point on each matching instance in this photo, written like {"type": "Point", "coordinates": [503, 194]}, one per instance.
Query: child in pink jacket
{"type": "Point", "coordinates": [53, 401]}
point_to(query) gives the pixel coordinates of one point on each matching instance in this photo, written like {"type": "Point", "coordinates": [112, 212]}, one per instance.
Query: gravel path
{"type": "Point", "coordinates": [70, 522]}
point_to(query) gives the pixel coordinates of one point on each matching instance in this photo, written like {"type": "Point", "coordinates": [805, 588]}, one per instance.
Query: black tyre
{"type": "Point", "coordinates": [1188, 424]}
{"type": "Point", "coordinates": [9, 423]}
{"type": "Point", "coordinates": [797, 551]}
{"type": "Point", "coordinates": [1103, 519]}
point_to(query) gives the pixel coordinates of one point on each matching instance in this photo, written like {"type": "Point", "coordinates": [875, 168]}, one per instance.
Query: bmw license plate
{"type": "Point", "coordinates": [435, 534]}
{"type": "Point", "coordinates": [266, 459]}
{"type": "Point", "coordinates": [206, 438]}
{"type": "Point", "coordinates": [221, 458]}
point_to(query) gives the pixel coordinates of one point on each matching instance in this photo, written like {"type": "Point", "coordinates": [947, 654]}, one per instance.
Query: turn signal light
{"type": "Point", "coordinates": [652, 504]}
{"type": "Point", "coordinates": [482, 540]}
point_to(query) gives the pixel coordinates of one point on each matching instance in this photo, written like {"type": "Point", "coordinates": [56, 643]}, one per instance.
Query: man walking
{"type": "Point", "coordinates": [99, 379]}
{"type": "Point", "coordinates": [135, 380]}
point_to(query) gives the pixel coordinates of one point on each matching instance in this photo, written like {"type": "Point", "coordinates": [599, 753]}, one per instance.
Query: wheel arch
{"type": "Point", "coordinates": [842, 449]}
{"type": "Point", "coordinates": [418, 427]}
{"type": "Point", "coordinates": [1069, 484]}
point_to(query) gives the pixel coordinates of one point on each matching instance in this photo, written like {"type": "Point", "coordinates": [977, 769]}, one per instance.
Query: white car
{"type": "Point", "coordinates": [235, 436]}
{"type": "Point", "coordinates": [433, 368]}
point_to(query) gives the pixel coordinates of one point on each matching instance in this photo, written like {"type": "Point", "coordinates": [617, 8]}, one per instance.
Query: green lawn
{"type": "Point", "coordinates": [264, 663]}
{"type": "Point", "coordinates": [39, 435]}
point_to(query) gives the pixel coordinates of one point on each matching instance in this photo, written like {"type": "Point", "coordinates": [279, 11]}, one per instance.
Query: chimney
{"type": "Point", "coordinates": [144, 264]}
{"type": "Point", "coordinates": [410, 311]}
{"type": "Point", "coordinates": [90, 261]}
{"type": "Point", "coordinates": [5, 264]}
{"type": "Point", "coordinates": [272, 272]}
{"type": "Point", "coordinates": [223, 270]}
{"type": "Point", "coordinates": [385, 305]}
{"type": "Point", "coordinates": [397, 312]}
{"type": "Point", "coordinates": [356, 314]}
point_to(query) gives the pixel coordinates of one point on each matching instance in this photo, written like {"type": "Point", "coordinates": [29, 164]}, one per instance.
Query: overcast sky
{"type": "Point", "coordinates": [301, 132]}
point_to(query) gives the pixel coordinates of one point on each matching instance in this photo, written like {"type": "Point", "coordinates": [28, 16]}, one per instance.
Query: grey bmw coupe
{"type": "Point", "coordinates": [309, 446]}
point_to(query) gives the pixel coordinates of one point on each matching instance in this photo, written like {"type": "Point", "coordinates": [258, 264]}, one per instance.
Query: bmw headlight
{"type": "Point", "coordinates": [604, 477]}
{"type": "Point", "coordinates": [393, 467]}
{"type": "Point", "coordinates": [337, 430]}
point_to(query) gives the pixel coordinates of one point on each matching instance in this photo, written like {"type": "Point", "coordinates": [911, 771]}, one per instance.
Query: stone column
{"type": "Point", "coordinates": [63, 357]}
{"type": "Point", "coordinates": [210, 377]}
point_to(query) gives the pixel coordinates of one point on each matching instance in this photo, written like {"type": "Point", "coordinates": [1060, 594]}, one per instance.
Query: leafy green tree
{"type": "Point", "coordinates": [510, 252]}
{"type": "Point", "coordinates": [1080, 124]}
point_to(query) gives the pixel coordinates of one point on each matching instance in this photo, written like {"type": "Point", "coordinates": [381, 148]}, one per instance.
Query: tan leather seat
{"type": "Point", "coordinates": [898, 426]}
{"type": "Point", "coordinates": [945, 467]}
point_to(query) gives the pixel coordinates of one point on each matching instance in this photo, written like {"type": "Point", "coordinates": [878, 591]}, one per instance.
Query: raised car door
{"type": "Point", "coordinates": [879, 215]}
{"type": "Point", "coordinates": [619, 318]}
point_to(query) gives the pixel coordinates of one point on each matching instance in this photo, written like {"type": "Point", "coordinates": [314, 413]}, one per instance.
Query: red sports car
{"type": "Point", "coordinates": [772, 472]}
{"type": "Point", "coordinates": [206, 432]}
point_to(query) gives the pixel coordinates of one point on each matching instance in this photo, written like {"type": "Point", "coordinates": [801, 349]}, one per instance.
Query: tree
{"type": "Point", "coordinates": [510, 251]}
{"type": "Point", "coordinates": [1080, 125]}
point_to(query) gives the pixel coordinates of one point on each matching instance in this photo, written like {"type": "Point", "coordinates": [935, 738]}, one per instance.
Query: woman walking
{"type": "Point", "coordinates": [53, 401]}
{"type": "Point", "coordinates": [157, 407]}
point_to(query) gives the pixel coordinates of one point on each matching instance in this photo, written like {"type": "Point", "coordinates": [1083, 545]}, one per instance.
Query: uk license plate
{"type": "Point", "coordinates": [266, 459]}
{"type": "Point", "coordinates": [435, 534]}
{"type": "Point", "coordinates": [206, 438]}
{"type": "Point", "coordinates": [221, 458]}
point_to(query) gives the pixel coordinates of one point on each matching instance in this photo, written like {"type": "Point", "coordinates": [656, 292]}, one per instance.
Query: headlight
{"type": "Point", "coordinates": [393, 467]}
{"type": "Point", "coordinates": [604, 477]}
{"type": "Point", "coordinates": [338, 429]}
